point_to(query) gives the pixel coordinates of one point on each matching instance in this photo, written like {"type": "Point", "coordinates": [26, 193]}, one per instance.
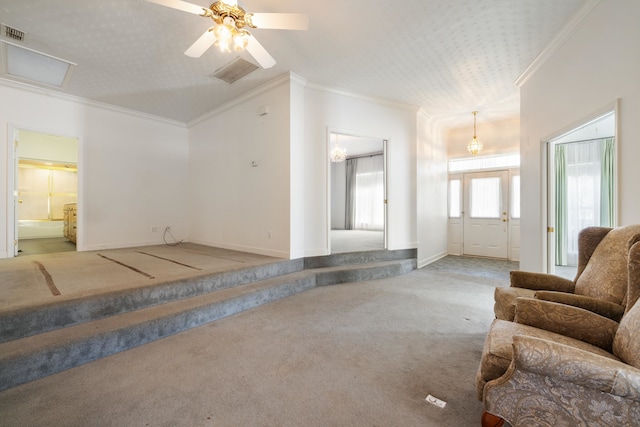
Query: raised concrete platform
{"type": "Point", "coordinates": [170, 289]}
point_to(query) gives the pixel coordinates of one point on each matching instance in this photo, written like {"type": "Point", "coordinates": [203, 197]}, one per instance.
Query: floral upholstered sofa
{"type": "Point", "coordinates": [560, 365]}
{"type": "Point", "coordinates": [600, 284]}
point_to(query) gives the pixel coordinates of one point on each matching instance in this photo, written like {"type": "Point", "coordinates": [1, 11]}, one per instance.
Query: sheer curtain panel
{"type": "Point", "coordinates": [365, 193]}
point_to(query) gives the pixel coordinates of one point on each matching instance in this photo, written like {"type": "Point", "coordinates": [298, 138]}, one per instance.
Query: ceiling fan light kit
{"type": "Point", "coordinates": [228, 36]}
{"type": "Point", "coordinates": [229, 33]}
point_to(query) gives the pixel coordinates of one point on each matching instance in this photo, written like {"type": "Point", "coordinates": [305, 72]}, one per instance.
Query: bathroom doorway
{"type": "Point", "coordinates": [45, 188]}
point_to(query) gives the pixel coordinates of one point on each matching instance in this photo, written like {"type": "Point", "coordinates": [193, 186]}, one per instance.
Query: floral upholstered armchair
{"type": "Point", "coordinates": [560, 365]}
{"type": "Point", "coordinates": [600, 284]}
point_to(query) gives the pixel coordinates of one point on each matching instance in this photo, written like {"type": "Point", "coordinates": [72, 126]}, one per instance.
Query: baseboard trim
{"type": "Point", "coordinates": [429, 260]}
{"type": "Point", "coordinates": [241, 248]}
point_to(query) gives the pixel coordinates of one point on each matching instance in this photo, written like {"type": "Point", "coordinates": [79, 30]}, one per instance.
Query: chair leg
{"type": "Point", "coordinates": [490, 420]}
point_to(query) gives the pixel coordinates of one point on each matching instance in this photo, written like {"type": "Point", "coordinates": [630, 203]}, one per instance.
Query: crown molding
{"type": "Point", "coordinates": [26, 87]}
{"type": "Point", "coordinates": [558, 41]}
{"type": "Point", "coordinates": [288, 77]}
{"type": "Point", "coordinates": [335, 91]}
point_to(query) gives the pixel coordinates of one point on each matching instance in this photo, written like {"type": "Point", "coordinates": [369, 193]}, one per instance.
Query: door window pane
{"type": "Point", "coordinates": [515, 197]}
{"type": "Point", "coordinates": [485, 197]}
{"type": "Point", "coordinates": [454, 198]}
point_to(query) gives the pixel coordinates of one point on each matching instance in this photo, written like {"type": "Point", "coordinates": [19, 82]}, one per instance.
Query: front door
{"type": "Point", "coordinates": [485, 214]}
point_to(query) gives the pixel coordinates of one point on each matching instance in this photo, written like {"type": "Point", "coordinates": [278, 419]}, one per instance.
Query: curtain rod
{"type": "Point", "coordinates": [585, 140]}
{"type": "Point", "coordinates": [365, 155]}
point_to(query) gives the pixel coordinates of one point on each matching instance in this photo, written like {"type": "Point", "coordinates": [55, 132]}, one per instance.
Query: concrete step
{"type": "Point", "coordinates": [20, 323]}
{"type": "Point", "coordinates": [174, 307]}
{"type": "Point", "coordinates": [359, 272]}
{"type": "Point", "coordinates": [351, 258]}
{"type": "Point", "coordinates": [36, 356]}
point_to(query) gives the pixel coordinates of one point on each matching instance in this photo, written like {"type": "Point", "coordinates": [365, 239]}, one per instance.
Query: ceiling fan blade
{"type": "Point", "coordinates": [180, 5]}
{"type": "Point", "coordinates": [259, 53]}
{"type": "Point", "coordinates": [201, 45]}
{"type": "Point", "coordinates": [280, 21]}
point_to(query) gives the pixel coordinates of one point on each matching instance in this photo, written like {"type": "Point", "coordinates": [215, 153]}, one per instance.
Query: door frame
{"type": "Point", "coordinates": [455, 225]}
{"type": "Point", "coordinates": [329, 146]}
{"type": "Point", "coordinates": [548, 179]}
{"type": "Point", "coordinates": [12, 171]}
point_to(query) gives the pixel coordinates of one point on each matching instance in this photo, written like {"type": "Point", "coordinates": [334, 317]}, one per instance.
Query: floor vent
{"type": "Point", "coordinates": [12, 33]}
{"type": "Point", "coordinates": [234, 71]}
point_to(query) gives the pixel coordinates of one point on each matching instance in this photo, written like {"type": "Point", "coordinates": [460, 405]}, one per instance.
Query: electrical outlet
{"type": "Point", "coordinates": [435, 401]}
{"type": "Point", "coordinates": [268, 234]}
{"type": "Point", "coordinates": [154, 229]}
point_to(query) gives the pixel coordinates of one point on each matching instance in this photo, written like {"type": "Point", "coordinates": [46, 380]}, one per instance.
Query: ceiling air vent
{"type": "Point", "coordinates": [234, 71]}
{"type": "Point", "coordinates": [12, 33]}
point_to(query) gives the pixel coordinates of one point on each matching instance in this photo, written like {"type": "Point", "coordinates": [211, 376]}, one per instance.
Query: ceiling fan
{"type": "Point", "coordinates": [229, 30]}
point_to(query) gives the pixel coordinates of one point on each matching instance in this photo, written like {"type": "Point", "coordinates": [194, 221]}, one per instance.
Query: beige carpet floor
{"type": "Point", "coordinates": [359, 354]}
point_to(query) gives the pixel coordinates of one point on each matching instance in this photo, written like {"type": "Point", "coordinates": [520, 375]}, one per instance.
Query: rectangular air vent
{"type": "Point", "coordinates": [234, 71]}
{"type": "Point", "coordinates": [12, 33]}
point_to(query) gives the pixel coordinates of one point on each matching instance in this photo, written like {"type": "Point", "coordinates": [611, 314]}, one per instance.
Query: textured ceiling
{"type": "Point", "coordinates": [448, 57]}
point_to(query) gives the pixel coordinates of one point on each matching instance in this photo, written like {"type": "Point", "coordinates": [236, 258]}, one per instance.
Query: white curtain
{"type": "Point", "coordinates": [583, 181]}
{"type": "Point", "coordinates": [366, 197]}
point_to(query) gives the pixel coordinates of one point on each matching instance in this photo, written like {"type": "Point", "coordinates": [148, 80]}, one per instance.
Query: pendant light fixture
{"type": "Point", "coordinates": [474, 146]}
{"type": "Point", "coordinates": [338, 154]}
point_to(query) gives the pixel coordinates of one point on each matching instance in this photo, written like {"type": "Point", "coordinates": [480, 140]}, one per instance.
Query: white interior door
{"type": "Point", "coordinates": [485, 214]}
{"type": "Point", "coordinates": [16, 198]}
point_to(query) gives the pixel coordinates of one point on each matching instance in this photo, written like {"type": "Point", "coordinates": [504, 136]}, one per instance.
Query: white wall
{"type": "Point", "coordinates": [327, 110]}
{"type": "Point", "coordinates": [233, 204]}
{"type": "Point", "coordinates": [499, 137]}
{"type": "Point", "coordinates": [296, 166]}
{"type": "Point", "coordinates": [237, 206]}
{"type": "Point", "coordinates": [136, 171]}
{"type": "Point", "coordinates": [431, 191]}
{"type": "Point", "coordinates": [599, 63]}
{"type": "Point", "coordinates": [132, 168]}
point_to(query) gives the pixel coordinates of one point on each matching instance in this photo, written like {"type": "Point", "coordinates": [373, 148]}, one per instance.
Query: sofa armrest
{"type": "Point", "coordinates": [541, 281]}
{"type": "Point", "coordinates": [607, 309]}
{"type": "Point", "coordinates": [579, 367]}
{"type": "Point", "coordinates": [573, 322]}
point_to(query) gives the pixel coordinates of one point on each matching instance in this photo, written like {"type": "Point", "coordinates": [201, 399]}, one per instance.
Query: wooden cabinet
{"type": "Point", "coordinates": [70, 212]}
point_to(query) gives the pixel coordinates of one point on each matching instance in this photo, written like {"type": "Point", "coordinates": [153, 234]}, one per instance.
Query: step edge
{"type": "Point", "coordinates": [127, 300]}
{"type": "Point", "coordinates": [256, 298]}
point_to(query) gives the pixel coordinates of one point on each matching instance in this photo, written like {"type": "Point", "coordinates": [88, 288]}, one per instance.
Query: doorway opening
{"type": "Point", "coordinates": [45, 193]}
{"type": "Point", "coordinates": [358, 194]}
{"type": "Point", "coordinates": [582, 188]}
{"type": "Point", "coordinates": [484, 207]}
